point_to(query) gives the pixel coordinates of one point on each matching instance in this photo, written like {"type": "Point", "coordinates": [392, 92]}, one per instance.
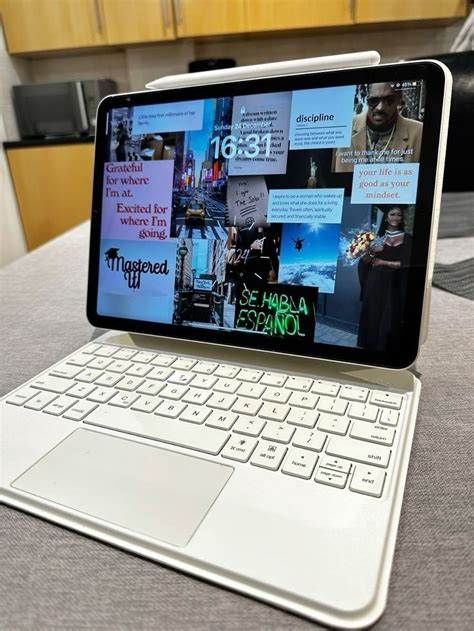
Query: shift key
{"type": "Point", "coordinates": [359, 451]}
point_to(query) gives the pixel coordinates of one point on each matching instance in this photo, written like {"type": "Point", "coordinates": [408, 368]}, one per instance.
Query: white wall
{"type": "Point", "coordinates": [133, 67]}
{"type": "Point", "coordinates": [12, 239]}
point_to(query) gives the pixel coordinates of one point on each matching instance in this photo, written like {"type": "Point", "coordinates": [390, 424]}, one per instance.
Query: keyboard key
{"type": "Point", "coordinates": [327, 388]}
{"type": "Point", "coordinates": [151, 388]}
{"type": "Point", "coordinates": [123, 400]}
{"type": "Point", "coordinates": [276, 395]}
{"type": "Point", "coordinates": [333, 406]}
{"type": "Point", "coordinates": [268, 456]}
{"type": "Point", "coordinates": [205, 368]}
{"type": "Point", "coordinates": [303, 418]}
{"type": "Point", "coordinates": [221, 401]}
{"type": "Point", "coordinates": [359, 451]}
{"type": "Point", "coordinates": [106, 351]}
{"type": "Point", "coordinates": [124, 354]}
{"type": "Point", "coordinates": [139, 370]}
{"type": "Point", "coordinates": [300, 463]}
{"type": "Point", "coordinates": [174, 392]}
{"type": "Point", "coordinates": [161, 374]}
{"type": "Point", "coordinates": [335, 464]}
{"type": "Point", "coordinates": [66, 371]}
{"type": "Point", "coordinates": [181, 377]}
{"type": "Point", "coordinates": [89, 375]}
{"type": "Point", "coordinates": [40, 401]}
{"type": "Point", "coordinates": [368, 481]}
{"type": "Point", "coordinates": [226, 371]}
{"type": "Point", "coordinates": [144, 357]}
{"type": "Point", "coordinates": [303, 400]}
{"type": "Point", "coordinates": [354, 393]}
{"type": "Point", "coordinates": [100, 363]}
{"type": "Point", "coordinates": [249, 426]}
{"type": "Point", "coordinates": [389, 417]}
{"type": "Point", "coordinates": [197, 437]}
{"type": "Point", "coordinates": [197, 396]}
{"type": "Point", "coordinates": [309, 439]}
{"type": "Point", "coordinates": [119, 366]}
{"type": "Point", "coordinates": [333, 424]}
{"type": "Point", "coordinates": [226, 385]}
{"type": "Point", "coordinates": [130, 383]}
{"type": "Point", "coordinates": [280, 433]}
{"type": "Point", "coordinates": [239, 448]}
{"type": "Point", "coordinates": [81, 390]}
{"type": "Point", "coordinates": [373, 433]}
{"type": "Point", "coordinates": [108, 379]}
{"type": "Point", "coordinates": [221, 420]}
{"type": "Point", "coordinates": [274, 412]}
{"type": "Point", "coordinates": [80, 359]}
{"type": "Point", "coordinates": [22, 396]}
{"type": "Point", "coordinates": [203, 381]}
{"type": "Point", "coordinates": [386, 400]}
{"type": "Point", "coordinates": [80, 410]}
{"type": "Point", "coordinates": [195, 414]}
{"type": "Point", "coordinates": [250, 375]}
{"type": "Point", "coordinates": [363, 412]}
{"type": "Point", "coordinates": [171, 409]}
{"type": "Point", "coordinates": [302, 384]}
{"type": "Point", "coordinates": [146, 404]}
{"type": "Point", "coordinates": [244, 405]}
{"type": "Point", "coordinates": [331, 478]}
{"type": "Point", "coordinates": [92, 348]}
{"type": "Point", "coordinates": [102, 395]}
{"type": "Point", "coordinates": [163, 360]}
{"type": "Point", "coordinates": [274, 379]}
{"type": "Point", "coordinates": [252, 390]}
{"type": "Point", "coordinates": [52, 384]}
{"type": "Point", "coordinates": [183, 363]}
{"type": "Point", "coordinates": [60, 405]}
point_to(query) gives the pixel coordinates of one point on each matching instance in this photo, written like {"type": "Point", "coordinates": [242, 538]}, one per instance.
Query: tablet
{"type": "Point", "coordinates": [288, 214]}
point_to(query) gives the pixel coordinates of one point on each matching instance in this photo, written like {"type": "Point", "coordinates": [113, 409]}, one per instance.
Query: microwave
{"type": "Point", "coordinates": [67, 108]}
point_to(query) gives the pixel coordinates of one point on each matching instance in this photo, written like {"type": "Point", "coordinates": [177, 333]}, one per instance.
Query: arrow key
{"type": "Point", "coordinates": [332, 478]}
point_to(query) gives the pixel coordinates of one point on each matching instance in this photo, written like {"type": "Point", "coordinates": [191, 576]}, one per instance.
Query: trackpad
{"type": "Point", "coordinates": [152, 491]}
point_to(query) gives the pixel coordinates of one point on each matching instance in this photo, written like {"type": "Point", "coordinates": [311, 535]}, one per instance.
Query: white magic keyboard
{"type": "Point", "coordinates": [320, 431]}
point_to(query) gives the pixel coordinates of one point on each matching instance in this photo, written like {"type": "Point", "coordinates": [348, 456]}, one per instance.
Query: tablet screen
{"type": "Point", "coordinates": [283, 219]}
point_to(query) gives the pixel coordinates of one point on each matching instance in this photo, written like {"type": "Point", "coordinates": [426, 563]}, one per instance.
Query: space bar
{"type": "Point", "coordinates": [173, 432]}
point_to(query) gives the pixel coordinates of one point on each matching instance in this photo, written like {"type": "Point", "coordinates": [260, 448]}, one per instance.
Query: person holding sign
{"type": "Point", "coordinates": [382, 276]}
{"type": "Point", "coordinates": [381, 134]}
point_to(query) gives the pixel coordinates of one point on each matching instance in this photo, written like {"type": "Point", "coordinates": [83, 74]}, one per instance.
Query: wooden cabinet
{"type": "Point", "coordinates": [48, 25]}
{"type": "Point", "coordinates": [136, 21]}
{"type": "Point", "coordinates": [209, 17]}
{"type": "Point", "coordinates": [40, 25]}
{"type": "Point", "coordinates": [213, 17]}
{"type": "Point", "coordinates": [53, 185]}
{"type": "Point", "coordinates": [34, 25]}
{"type": "Point", "coordinates": [262, 15]}
{"type": "Point", "coordinates": [399, 10]}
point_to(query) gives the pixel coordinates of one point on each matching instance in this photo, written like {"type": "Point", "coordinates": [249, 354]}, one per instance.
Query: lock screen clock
{"type": "Point", "coordinates": [250, 146]}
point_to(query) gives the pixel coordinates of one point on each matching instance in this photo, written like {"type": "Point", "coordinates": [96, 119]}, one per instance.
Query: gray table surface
{"type": "Point", "coordinates": [51, 578]}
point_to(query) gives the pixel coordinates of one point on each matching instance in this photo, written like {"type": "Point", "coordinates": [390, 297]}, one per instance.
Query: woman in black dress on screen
{"type": "Point", "coordinates": [382, 275]}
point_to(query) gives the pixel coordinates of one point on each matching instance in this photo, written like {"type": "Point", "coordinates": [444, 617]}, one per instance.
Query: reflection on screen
{"type": "Point", "coordinates": [284, 214]}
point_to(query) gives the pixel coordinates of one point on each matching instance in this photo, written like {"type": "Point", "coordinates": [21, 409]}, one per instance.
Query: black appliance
{"type": "Point", "coordinates": [67, 108]}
